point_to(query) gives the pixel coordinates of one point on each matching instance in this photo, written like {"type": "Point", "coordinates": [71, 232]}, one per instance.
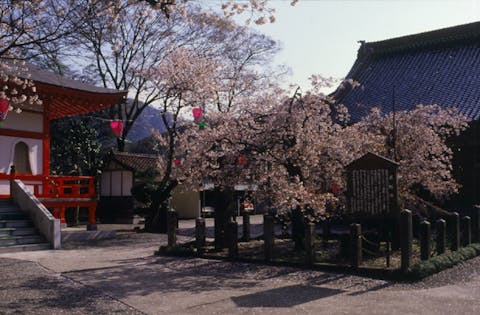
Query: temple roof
{"type": "Point", "coordinates": [135, 161]}
{"type": "Point", "coordinates": [66, 97]}
{"type": "Point", "coordinates": [438, 67]}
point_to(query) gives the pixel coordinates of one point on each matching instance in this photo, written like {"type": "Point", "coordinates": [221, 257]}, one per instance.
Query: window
{"type": "Point", "coordinates": [21, 159]}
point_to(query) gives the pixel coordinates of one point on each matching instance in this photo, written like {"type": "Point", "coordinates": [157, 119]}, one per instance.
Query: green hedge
{"type": "Point", "coordinates": [441, 262]}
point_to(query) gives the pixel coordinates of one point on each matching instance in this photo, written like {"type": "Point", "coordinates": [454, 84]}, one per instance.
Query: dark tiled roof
{"type": "Point", "coordinates": [135, 161]}
{"type": "Point", "coordinates": [439, 67]}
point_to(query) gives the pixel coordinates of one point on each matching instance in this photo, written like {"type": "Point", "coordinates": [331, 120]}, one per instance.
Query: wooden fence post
{"type": "Point", "coordinates": [466, 231]}
{"type": "Point", "coordinates": [441, 232]}
{"type": "Point", "coordinates": [246, 226]}
{"type": "Point", "coordinates": [454, 231]}
{"type": "Point", "coordinates": [424, 240]}
{"type": "Point", "coordinates": [232, 233]}
{"type": "Point", "coordinates": [406, 239]}
{"type": "Point", "coordinates": [309, 243]}
{"type": "Point", "coordinates": [355, 245]}
{"type": "Point", "coordinates": [172, 227]}
{"type": "Point", "coordinates": [268, 236]}
{"type": "Point", "coordinates": [476, 224]}
{"type": "Point", "coordinates": [200, 235]}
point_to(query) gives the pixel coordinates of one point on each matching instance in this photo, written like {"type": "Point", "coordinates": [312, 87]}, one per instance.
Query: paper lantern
{"type": "Point", "coordinates": [335, 189]}
{"type": "Point", "coordinates": [4, 105]}
{"type": "Point", "coordinates": [197, 114]}
{"type": "Point", "coordinates": [242, 160]}
{"type": "Point", "coordinates": [117, 127]}
{"type": "Point", "coordinates": [177, 162]}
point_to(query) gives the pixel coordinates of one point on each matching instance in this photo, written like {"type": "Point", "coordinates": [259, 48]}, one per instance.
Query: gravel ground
{"type": "Point", "coordinates": [122, 276]}
{"type": "Point", "coordinates": [27, 288]}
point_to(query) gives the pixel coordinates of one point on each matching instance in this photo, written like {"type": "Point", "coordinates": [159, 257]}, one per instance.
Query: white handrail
{"type": "Point", "coordinates": [41, 217]}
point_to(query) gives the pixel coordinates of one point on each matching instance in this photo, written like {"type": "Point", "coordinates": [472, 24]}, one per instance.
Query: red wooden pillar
{"type": "Point", "coordinates": [46, 141]}
{"type": "Point", "coordinates": [59, 213]}
{"type": "Point", "coordinates": [92, 221]}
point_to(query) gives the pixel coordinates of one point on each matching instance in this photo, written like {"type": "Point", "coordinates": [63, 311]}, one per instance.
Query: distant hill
{"type": "Point", "coordinates": [148, 120]}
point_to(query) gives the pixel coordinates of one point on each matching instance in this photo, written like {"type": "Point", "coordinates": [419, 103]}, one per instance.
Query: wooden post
{"type": "Point", "coordinates": [268, 236]}
{"type": "Point", "coordinates": [355, 245]}
{"type": "Point", "coordinates": [424, 240]}
{"type": "Point", "coordinates": [441, 230]}
{"type": "Point", "coordinates": [406, 239]}
{"type": "Point", "coordinates": [466, 231]}
{"type": "Point", "coordinates": [172, 227]}
{"type": "Point", "coordinates": [200, 235]}
{"type": "Point", "coordinates": [63, 221]}
{"type": "Point", "coordinates": [454, 231]}
{"type": "Point", "coordinates": [232, 232]}
{"type": "Point", "coordinates": [246, 226]}
{"type": "Point", "coordinates": [476, 224]}
{"type": "Point", "coordinates": [326, 230]}
{"type": "Point", "coordinates": [92, 220]}
{"type": "Point", "coordinates": [310, 243]}
{"type": "Point", "coordinates": [12, 179]}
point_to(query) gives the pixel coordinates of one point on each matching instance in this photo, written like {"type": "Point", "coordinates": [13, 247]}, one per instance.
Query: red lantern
{"type": "Point", "coordinates": [242, 160]}
{"type": "Point", "coordinates": [117, 127]}
{"type": "Point", "coordinates": [335, 189]}
{"type": "Point", "coordinates": [197, 114]}
{"type": "Point", "coordinates": [4, 105]}
{"type": "Point", "coordinates": [177, 162]}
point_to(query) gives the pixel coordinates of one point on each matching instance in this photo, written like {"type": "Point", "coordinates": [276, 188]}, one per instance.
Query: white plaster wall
{"type": "Point", "coordinates": [127, 178]}
{"type": "Point", "coordinates": [106, 182]}
{"type": "Point", "coordinates": [24, 121]}
{"type": "Point", "coordinates": [30, 185]}
{"type": "Point", "coordinates": [4, 187]}
{"type": "Point", "coordinates": [116, 183]}
{"type": "Point", "coordinates": [7, 145]}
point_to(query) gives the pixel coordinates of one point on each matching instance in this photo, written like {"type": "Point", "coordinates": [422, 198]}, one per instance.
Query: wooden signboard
{"type": "Point", "coordinates": [372, 187]}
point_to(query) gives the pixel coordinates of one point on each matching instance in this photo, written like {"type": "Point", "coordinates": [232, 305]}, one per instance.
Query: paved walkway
{"type": "Point", "coordinates": [122, 276]}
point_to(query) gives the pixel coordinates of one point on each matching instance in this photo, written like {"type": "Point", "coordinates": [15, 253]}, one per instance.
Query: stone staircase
{"type": "Point", "coordinates": [17, 232]}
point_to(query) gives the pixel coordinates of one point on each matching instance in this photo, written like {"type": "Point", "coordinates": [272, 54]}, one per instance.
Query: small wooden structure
{"type": "Point", "coordinates": [119, 175]}
{"type": "Point", "coordinates": [25, 141]}
{"type": "Point", "coordinates": [372, 188]}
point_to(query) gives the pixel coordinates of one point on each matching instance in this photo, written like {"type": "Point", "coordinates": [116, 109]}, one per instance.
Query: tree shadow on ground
{"type": "Point", "coordinates": [287, 296]}
{"type": "Point", "coordinates": [168, 275]}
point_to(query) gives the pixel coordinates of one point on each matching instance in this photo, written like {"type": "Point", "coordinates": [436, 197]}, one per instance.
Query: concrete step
{"type": "Point", "coordinates": [15, 223]}
{"type": "Point", "coordinates": [24, 247]}
{"type": "Point", "coordinates": [18, 231]}
{"type": "Point", "coordinates": [9, 209]}
{"type": "Point", "coordinates": [8, 240]}
{"type": "Point", "coordinates": [13, 216]}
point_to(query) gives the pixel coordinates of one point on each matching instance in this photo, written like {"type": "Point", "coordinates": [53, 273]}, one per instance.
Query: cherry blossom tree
{"type": "Point", "coordinates": [418, 141]}
{"type": "Point", "coordinates": [24, 26]}
{"type": "Point", "coordinates": [121, 40]}
{"type": "Point", "coordinates": [256, 11]}
{"type": "Point", "coordinates": [186, 80]}
{"type": "Point", "coordinates": [295, 148]}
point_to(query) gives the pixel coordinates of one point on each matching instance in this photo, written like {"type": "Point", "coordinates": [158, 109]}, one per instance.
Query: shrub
{"type": "Point", "coordinates": [441, 262]}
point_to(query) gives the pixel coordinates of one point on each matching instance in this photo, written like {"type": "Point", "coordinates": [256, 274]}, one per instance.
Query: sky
{"type": "Point", "coordinates": [320, 36]}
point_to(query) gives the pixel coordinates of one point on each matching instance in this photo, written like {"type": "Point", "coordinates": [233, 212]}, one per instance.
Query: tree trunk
{"type": "Point", "coordinates": [298, 229]}
{"type": "Point", "coordinates": [157, 221]}
{"type": "Point", "coordinates": [224, 204]}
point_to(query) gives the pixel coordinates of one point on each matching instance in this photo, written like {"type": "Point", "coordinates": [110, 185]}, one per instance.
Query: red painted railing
{"type": "Point", "coordinates": [58, 186]}
{"type": "Point", "coordinates": [68, 187]}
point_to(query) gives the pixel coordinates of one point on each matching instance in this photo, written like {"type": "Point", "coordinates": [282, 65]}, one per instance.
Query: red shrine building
{"type": "Point", "coordinates": [25, 142]}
